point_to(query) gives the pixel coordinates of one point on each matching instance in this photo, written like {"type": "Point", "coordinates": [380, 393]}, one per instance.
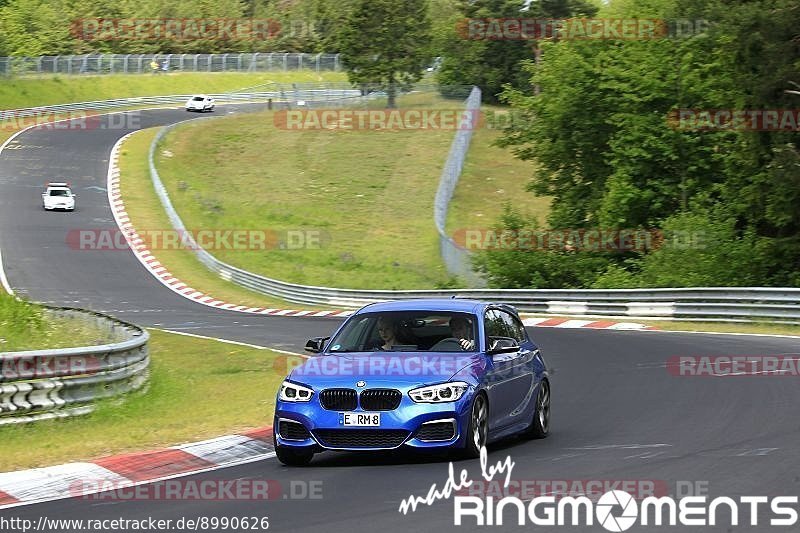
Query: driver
{"type": "Point", "coordinates": [461, 331]}
{"type": "Point", "coordinates": [461, 327]}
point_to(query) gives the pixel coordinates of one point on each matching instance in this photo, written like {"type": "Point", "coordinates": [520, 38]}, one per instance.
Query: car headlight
{"type": "Point", "coordinates": [292, 392]}
{"type": "Point", "coordinates": [443, 392]}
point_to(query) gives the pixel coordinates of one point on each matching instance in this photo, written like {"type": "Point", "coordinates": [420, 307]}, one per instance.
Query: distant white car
{"type": "Point", "coordinates": [200, 102]}
{"type": "Point", "coordinates": [58, 196]}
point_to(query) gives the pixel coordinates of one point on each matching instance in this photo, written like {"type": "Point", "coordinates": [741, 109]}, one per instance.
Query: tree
{"type": "Point", "coordinates": [491, 64]}
{"type": "Point", "coordinates": [607, 152]}
{"type": "Point", "coordinates": [386, 43]}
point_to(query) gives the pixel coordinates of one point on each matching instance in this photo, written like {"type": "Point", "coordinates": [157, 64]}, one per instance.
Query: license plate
{"type": "Point", "coordinates": [360, 419]}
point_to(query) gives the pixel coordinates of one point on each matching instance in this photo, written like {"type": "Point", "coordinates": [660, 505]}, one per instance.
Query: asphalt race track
{"type": "Point", "coordinates": [618, 413]}
{"type": "Point", "coordinates": [43, 267]}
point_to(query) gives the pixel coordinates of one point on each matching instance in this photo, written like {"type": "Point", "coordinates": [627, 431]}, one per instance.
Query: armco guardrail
{"type": "Point", "coordinates": [708, 303]}
{"type": "Point", "coordinates": [289, 93]}
{"type": "Point", "coordinates": [42, 384]}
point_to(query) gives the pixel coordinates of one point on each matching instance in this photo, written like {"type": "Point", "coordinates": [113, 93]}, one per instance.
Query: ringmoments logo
{"type": "Point", "coordinates": [615, 510]}
{"type": "Point", "coordinates": [618, 510]}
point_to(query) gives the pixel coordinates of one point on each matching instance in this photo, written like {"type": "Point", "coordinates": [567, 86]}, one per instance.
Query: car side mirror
{"type": "Point", "coordinates": [316, 344]}
{"type": "Point", "coordinates": [502, 345]}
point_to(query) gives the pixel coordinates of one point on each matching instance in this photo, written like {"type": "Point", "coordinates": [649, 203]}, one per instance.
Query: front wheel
{"type": "Point", "coordinates": [291, 457]}
{"type": "Point", "coordinates": [540, 426]}
{"type": "Point", "coordinates": [478, 427]}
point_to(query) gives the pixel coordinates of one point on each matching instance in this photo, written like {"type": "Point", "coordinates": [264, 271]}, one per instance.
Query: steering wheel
{"type": "Point", "coordinates": [448, 343]}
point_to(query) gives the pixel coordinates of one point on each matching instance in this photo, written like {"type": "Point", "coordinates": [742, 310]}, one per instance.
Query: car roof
{"type": "Point", "coordinates": [58, 185]}
{"type": "Point", "coordinates": [432, 304]}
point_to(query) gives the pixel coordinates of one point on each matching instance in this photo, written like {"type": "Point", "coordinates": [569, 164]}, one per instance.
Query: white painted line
{"type": "Point", "coordinates": [226, 341]}
{"type": "Point", "coordinates": [3, 279]}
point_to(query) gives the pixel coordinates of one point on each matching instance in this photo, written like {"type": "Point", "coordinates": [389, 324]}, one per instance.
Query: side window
{"type": "Point", "coordinates": [514, 326]}
{"type": "Point", "coordinates": [494, 325]}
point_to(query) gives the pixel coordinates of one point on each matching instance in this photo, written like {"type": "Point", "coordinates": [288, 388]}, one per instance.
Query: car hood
{"type": "Point", "coordinates": [380, 368]}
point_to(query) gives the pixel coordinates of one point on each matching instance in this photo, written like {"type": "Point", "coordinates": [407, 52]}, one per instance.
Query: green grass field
{"type": "Point", "coordinates": [491, 179]}
{"type": "Point", "coordinates": [26, 326]}
{"type": "Point", "coordinates": [182, 403]}
{"type": "Point", "coordinates": [145, 212]}
{"type": "Point", "coordinates": [369, 194]}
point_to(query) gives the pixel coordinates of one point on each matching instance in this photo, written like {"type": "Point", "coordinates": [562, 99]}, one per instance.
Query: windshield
{"type": "Point", "coordinates": [198, 99]}
{"type": "Point", "coordinates": [59, 192]}
{"type": "Point", "coordinates": [407, 331]}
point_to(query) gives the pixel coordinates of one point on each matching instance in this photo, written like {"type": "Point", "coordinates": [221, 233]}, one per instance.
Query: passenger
{"type": "Point", "coordinates": [388, 332]}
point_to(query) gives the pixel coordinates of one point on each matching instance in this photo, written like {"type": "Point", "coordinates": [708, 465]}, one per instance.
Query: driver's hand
{"type": "Point", "coordinates": [466, 344]}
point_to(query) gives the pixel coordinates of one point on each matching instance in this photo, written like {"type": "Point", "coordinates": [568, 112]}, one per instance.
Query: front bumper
{"type": "Point", "coordinates": [404, 423]}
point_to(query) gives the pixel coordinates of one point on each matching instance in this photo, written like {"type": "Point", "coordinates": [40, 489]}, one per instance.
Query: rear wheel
{"type": "Point", "coordinates": [290, 456]}
{"type": "Point", "coordinates": [540, 426]}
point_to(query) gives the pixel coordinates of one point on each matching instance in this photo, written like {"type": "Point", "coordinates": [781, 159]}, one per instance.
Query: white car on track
{"type": "Point", "coordinates": [58, 196]}
{"type": "Point", "coordinates": [200, 102]}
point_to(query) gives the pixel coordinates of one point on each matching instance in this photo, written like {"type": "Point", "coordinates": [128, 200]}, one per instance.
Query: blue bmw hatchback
{"type": "Point", "coordinates": [425, 374]}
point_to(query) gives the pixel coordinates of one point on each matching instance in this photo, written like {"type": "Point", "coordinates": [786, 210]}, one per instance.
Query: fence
{"type": "Point", "coordinates": [456, 258]}
{"type": "Point", "coordinates": [42, 384]}
{"type": "Point", "coordinates": [140, 63]}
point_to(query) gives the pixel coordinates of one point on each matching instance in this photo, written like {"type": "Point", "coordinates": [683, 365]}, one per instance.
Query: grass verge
{"type": "Point", "coordinates": [44, 90]}
{"type": "Point", "coordinates": [146, 213]}
{"type": "Point", "coordinates": [368, 194]}
{"type": "Point", "coordinates": [492, 178]}
{"type": "Point", "coordinates": [714, 327]}
{"type": "Point", "coordinates": [183, 402]}
{"type": "Point", "coordinates": [17, 93]}
{"type": "Point", "coordinates": [26, 326]}
{"type": "Point", "coordinates": [724, 327]}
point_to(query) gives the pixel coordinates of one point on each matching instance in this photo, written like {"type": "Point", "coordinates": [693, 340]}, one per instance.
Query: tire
{"type": "Point", "coordinates": [540, 425]}
{"type": "Point", "coordinates": [478, 428]}
{"type": "Point", "coordinates": [291, 457]}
